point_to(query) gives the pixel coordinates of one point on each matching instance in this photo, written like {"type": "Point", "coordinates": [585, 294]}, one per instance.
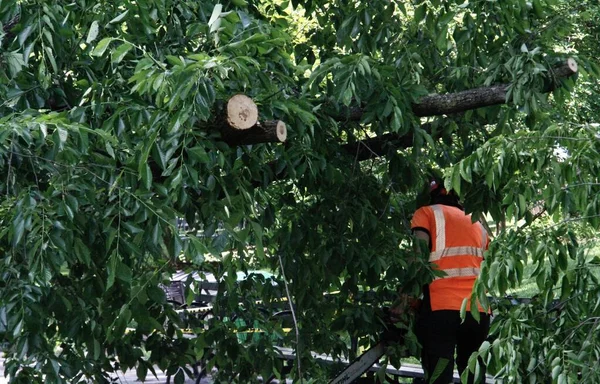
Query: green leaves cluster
{"type": "Point", "coordinates": [547, 217]}
{"type": "Point", "coordinates": [109, 116]}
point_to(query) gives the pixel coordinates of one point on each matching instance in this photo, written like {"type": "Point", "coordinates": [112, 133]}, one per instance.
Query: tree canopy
{"type": "Point", "coordinates": [113, 131]}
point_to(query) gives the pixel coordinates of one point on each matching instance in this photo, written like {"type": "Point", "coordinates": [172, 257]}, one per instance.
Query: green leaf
{"type": "Point", "coordinates": [210, 183]}
{"type": "Point", "coordinates": [109, 149]}
{"type": "Point", "coordinates": [420, 13]}
{"type": "Point", "coordinates": [18, 225]}
{"type": "Point", "coordinates": [112, 270]}
{"type": "Point", "coordinates": [465, 171]}
{"type": "Point", "coordinates": [24, 34]}
{"type": "Point", "coordinates": [441, 40]}
{"type": "Point", "coordinates": [97, 349]}
{"type": "Point", "coordinates": [118, 54]}
{"type": "Point", "coordinates": [215, 18]}
{"type": "Point", "coordinates": [538, 8]}
{"type": "Point", "coordinates": [123, 272]}
{"type": "Point", "coordinates": [15, 63]}
{"type": "Point", "coordinates": [522, 205]}
{"type": "Point", "coordinates": [132, 228]}
{"type": "Point", "coordinates": [145, 175]}
{"type": "Point", "coordinates": [101, 46]}
{"type": "Point", "coordinates": [48, 35]}
{"type": "Point", "coordinates": [49, 23]}
{"type": "Point", "coordinates": [50, 55]}
{"type": "Point", "coordinates": [556, 371]}
{"type": "Point", "coordinates": [198, 153]}
{"type": "Point", "coordinates": [141, 371]}
{"type": "Point", "coordinates": [524, 48]}
{"type": "Point", "coordinates": [93, 32]}
{"type": "Point", "coordinates": [82, 252]}
{"type": "Point", "coordinates": [119, 17]}
{"type": "Point", "coordinates": [475, 309]}
{"type": "Point", "coordinates": [563, 259]}
{"type": "Point", "coordinates": [439, 369]}
{"type": "Point", "coordinates": [177, 246]}
{"type": "Point", "coordinates": [456, 180]}
{"type": "Point", "coordinates": [463, 308]}
{"type": "Point", "coordinates": [565, 288]}
{"type": "Point", "coordinates": [179, 377]}
{"type": "Point", "coordinates": [18, 328]}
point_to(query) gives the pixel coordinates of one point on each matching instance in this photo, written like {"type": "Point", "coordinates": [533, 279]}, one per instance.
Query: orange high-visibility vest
{"type": "Point", "coordinates": [457, 247]}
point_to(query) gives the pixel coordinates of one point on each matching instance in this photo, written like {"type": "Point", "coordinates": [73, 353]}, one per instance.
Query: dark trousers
{"type": "Point", "coordinates": [441, 334]}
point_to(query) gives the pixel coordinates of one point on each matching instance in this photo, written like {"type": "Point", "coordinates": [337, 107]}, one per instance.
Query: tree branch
{"type": "Point", "coordinates": [266, 132]}
{"type": "Point", "coordinates": [449, 103]}
{"type": "Point", "coordinates": [431, 105]}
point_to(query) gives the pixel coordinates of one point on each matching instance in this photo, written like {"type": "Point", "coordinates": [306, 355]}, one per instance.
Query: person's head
{"type": "Point", "coordinates": [438, 194]}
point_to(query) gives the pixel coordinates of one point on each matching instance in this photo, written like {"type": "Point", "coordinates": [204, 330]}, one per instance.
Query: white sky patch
{"type": "Point", "coordinates": [561, 153]}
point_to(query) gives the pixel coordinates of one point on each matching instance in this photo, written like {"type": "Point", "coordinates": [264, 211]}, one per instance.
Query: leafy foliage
{"type": "Point", "coordinates": [108, 139]}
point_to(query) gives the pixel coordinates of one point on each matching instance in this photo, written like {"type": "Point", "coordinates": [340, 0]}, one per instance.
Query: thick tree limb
{"type": "Point", "coordinates": [436, 105]}
{"type": "Point", "coordinates": [443, 104]}
{"type": "Point", "coordinates": [265, 132]}
{"type": "Point", "coordinates": [430, 106]}
{"type": "Point", "coordinates": [242, 112]}
{"type": "Point", "coordinates": [241, 126]}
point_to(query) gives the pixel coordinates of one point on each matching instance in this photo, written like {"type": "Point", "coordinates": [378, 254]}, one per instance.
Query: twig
{"type": "Point", "coordinates": [291, 304]}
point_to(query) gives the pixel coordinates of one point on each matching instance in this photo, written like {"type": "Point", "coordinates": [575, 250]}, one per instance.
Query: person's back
{"type": "Point", "coordinates": [456, 247]}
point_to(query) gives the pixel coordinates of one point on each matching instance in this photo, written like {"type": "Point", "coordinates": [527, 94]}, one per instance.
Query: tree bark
{"type": "Point", "coordinates": [263, 132]}
{"type": "Point", "coordinates": [434, 105]}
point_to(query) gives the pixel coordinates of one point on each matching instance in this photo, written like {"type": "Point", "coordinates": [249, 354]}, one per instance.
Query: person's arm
{"type": "Point", "coordinates": [422, 240]}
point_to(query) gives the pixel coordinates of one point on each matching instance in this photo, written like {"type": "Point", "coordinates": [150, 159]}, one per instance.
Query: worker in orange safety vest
{"type": "Point", "coordinates": [456, 246]}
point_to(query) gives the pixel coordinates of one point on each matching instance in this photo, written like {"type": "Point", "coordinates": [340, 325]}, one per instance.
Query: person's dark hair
{"type": "Point", "coordinates": [438, 194]}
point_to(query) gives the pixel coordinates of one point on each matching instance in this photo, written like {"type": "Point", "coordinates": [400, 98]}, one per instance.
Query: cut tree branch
{"type": "Point", "coordinates": [266, 132]}
{"type": "Point", "coordinates": [240, 126]}
{"type": "Point", "coordinates": [436, 105]}
{"type": "Point", "coordinates": [242, 112]}
{"type": "Point", "coordinates": [431, 105]}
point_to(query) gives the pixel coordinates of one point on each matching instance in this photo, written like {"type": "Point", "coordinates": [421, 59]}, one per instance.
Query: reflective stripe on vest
{"type": "Point", "coordinates": [455, 251]}
{"type": "Point", "coordinates": [460, 272]}
{"type": "Point", "coordinates": [442, 251]}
